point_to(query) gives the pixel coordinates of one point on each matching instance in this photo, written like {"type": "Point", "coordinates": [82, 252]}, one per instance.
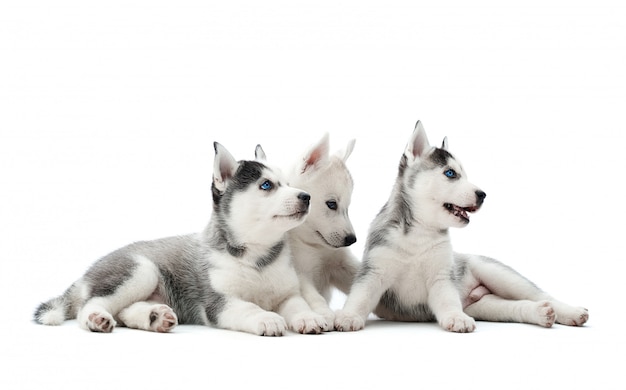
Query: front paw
{"type": "Point", "coordinates": [309, 323]}
{"type": "Point", "coordinates": [270, 324]}
{"type": "Point", "coordinates": [348, 322]}
{"type": "Point", "coordinates": [329, 316]}
{"type": "Point", "coordinates": [458, 322]}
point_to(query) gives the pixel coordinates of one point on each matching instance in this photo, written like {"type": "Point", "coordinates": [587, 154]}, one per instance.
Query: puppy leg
{"type": "Point", "coordinates": [507, 283]}
{"type": "Point", "coordinates": [493, 308]}
{"type": "Point", "coordinates": [344, 270]}
{"type": "Point", "coordinates": [150, 316]}
{"type": "Point", "coordinates": [96, 317]}
{"type": "Point", "coordinates": [363, 298]}
{"type": "Point", "coordinates": [107, 300]}
{"type": "Point", "coordinates": [301, 318]}
{"type": "Point", "coordinates": [247, 317]}
{"type": "Point", "coordinates": [569, 315]}
{"type": "Point", "coordinates": [444, 301]}
{"type": "Point", "coordinates": [316, 301]}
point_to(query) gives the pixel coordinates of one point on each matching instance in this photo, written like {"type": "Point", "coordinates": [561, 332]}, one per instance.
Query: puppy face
{"type": "Point", "coordinates": [259, 196]}
{"type": "Point", "coordinates": [442, 192]}
{"type": "Point", "coordinates": [438, 185]}
{"type": "Point", "coordinates": [330, 184]}
{"type": "Point", "coordinates": [331, 190]}
{"type": "Point", "coordinates": [253, 199]}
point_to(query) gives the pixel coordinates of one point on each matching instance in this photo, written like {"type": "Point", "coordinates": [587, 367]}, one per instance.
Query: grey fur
{"type": "Point", "coordinates": [109, 273]}
{"type": "Point", "coordinates": [409, 271]}
{"type": "Point", "coordinates": [236, 274]}
{"type": "Point", "coordinates": [391, 308]}
{"type": "Point", "coordinates": [365, 269]}
{"type": "Point", "coordinates": [271, 255]}
{"type": "Point", "coordinates": [183, 283]}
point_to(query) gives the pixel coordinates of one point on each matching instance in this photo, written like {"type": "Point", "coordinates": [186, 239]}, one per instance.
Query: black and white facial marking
{"type": "Point", "coordinates": [465, 198]}
{"type": "Point", "coordinates": [253, 206]}
{"type": "Point", "coordinates": [244, 175]}
{"type": "Point", "coordinates": [431, 189]}
{"type": "Point", "coordinates": [443, 183]}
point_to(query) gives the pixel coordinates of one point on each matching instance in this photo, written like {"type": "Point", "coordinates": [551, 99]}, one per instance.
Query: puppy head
{"type": "Point", "coordinates": [330, 184]}
{"type": "Point", "coordinates": [253, 199]}
{"type": "Point", "coordinates": [442, 194]}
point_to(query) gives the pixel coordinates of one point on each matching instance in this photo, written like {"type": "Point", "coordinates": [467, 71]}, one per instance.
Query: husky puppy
{"type": "Point", "coordinates": [320, 245]}
{"type": "Point", "coordinates": [237, 274]}
{"type": "Point", "coordinates": [409, 271]}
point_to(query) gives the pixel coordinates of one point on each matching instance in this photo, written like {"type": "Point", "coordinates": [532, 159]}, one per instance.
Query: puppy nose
{"type": "Point", "coordinates": [304, 197]}
{"type": "Point", "coordinates": [349, 240]}
{"type": "Point", "coordinates": [480, 197]}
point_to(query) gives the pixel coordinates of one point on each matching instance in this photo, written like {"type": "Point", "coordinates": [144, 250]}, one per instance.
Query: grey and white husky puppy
{"type": "Point", "coordinates": [237, 274]}
{"type": "Point", "coordinates": [409, 271]}
{"type": "Point", "coordinates": [320, 245]}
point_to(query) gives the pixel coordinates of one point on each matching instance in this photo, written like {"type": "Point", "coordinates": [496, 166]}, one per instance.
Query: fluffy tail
{"type": "Point", "coordinates": [56, 310]}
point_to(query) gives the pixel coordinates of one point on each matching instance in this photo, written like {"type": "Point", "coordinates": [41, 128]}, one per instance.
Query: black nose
{"type": "Point", "coordinates": [349, 240]}
{"type": "Point", "coordinates": [480, 197]}
{"type": "Point", "coordinates": [304, 197]}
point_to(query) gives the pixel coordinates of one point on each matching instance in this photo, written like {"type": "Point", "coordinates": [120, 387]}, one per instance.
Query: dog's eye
{"type": "Point", "coordinates": [450, 173]}
{"type": "Point", "coordinates": [266, 185]}
{"type": "Point", "coordinates": [331, 204]}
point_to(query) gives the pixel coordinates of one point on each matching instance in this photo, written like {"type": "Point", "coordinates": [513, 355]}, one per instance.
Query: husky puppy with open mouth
{"type": "Point", "coordinates": [237, 274]}
{"type": "Point", "coordinates": [409, 271]}
{"type": "Point", "coordinates": [320, 245]}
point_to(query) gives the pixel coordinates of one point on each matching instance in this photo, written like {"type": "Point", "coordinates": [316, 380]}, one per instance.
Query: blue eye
{"type": "Point", "coordinates": [331, 204]}
{"type": "Point", "coordinates": [450, 173]}
{"type": "Point", "coordinates": [266, 185]}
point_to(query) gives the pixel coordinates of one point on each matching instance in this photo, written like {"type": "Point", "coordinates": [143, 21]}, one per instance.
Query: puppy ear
{"type": "Point", "coordinates": [259, 154]}
{"type": "Point", "coordinates": [315, 156]}
{"type": "Point", "coordinates": [224, 167]}
{"type": "Point", "coordinates": [444, 144]}
{"type": "Point", "coordinates": [345, 153]}
{"type": "Point", "coordinates": [418, 143]}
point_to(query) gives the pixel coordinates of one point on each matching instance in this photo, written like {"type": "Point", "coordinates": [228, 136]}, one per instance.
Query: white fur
{"type": "Point", "coordinates": [320, 257]}
{"type": "Point", "coordinates": [412, 261]}
{"type": "Point", "coordinates": [98, 313]}
{"type": "Point", "coordinates": [266, 301]}
{"type": "Point", "coordinates": [237, 274]}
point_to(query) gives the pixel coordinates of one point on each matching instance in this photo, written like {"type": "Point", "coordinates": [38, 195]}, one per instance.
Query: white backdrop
{"type": "Point", "coordinates": [108, 112]}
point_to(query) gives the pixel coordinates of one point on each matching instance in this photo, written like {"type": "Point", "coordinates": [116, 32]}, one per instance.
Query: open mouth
{"type": "Point", "coordinates": [460, 212]}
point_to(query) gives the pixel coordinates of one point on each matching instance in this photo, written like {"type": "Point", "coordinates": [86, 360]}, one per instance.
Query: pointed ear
{"type": "Point", "coordinates": [345, 153]}
{"type": "Point", "coordinates": [224, 167]}
{"type": "Point", "coordinates": [259, 154]}
{"type": "Point", "coordinates": [444, 144]}
{"type": "Point", "coordinates": [418, 143]}
{"type": "Point", "coordinates": [315, 156]}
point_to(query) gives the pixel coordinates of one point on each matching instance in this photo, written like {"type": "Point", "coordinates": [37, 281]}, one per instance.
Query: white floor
{"type": "Point", "coordinates": [107, 117]}
{"type": "Point", "coordinates": [385, 354]}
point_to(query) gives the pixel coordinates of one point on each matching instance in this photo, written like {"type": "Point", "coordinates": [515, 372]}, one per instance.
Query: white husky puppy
{"type": "Point", "coordinates": [236, 274]}
{"type": "Point", "coordinates": [409, 271]}
{"type": "Point", "coordinates": [320, 245]}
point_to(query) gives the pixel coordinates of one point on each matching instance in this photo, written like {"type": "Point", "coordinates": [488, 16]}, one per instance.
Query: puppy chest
{"type": "Point", "coordinates": [411, 287]}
